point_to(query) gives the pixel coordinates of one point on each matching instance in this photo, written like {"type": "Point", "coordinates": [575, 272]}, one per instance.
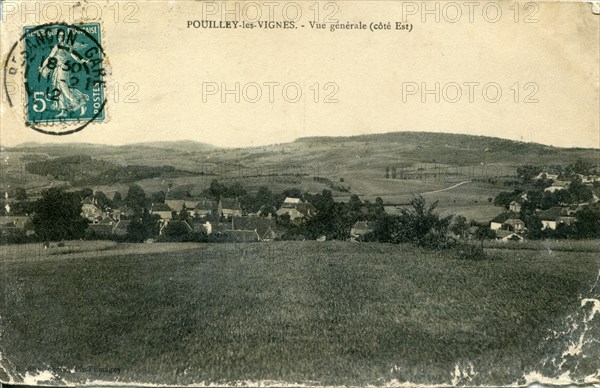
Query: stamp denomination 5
{"type": "Point", "coordinates": [62, 69]}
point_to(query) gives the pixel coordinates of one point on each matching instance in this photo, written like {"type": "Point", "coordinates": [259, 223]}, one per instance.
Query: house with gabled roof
{"type": "Point", "coordinates": [14, 222]}
{"type": "Point", "coordinates": [291, 201]}
{"type": "Point", "coordinates": [546, 175]}
{"type": "Point", "coordinates": [555, 216]}
{"type": "Point", "coordinates": [104, 227]}
{"type": "Point", "coordinates": [229, 207]}
{"type": "Point", "coordinates": [120, 228]}
{"type": "Point", "coordinates": [123, 212]}
{"type": "Point", "coordinates": [163, 210]}
{"type": "Point", "coordinates": [90, 209]}
{"type": "Point", "coordinates": [508, 221]}
{"type": "Point", "coordinates": [508, 236]}
{"type": "Point", "coordinates": [587, 179]}
{"type": "Point", "coordinates": [265, 227]}
{"type": "Point", "coordinates": [205, 208]}
{"type": "Point", "coordinates": [514, 207]}
{"type": "Point", "coordinates": [558, 185]}
{"type": "Point", "coordinates": [296, 209]}
{"type": "Point", "coordinates": [177, 205]}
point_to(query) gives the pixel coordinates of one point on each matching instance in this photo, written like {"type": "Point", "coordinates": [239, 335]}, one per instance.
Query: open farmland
{"type": "Point", "coordinates": [306, 312]}
{"type": "Point", "coordinates": [427, 161]}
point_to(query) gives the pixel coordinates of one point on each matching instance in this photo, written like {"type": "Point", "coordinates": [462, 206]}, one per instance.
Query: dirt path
{"type": "Point", "coordinates": [447, 188]}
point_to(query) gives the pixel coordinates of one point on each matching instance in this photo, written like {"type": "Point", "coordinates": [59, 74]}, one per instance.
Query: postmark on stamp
{"type": "Point", "coordinates": [62, 69]}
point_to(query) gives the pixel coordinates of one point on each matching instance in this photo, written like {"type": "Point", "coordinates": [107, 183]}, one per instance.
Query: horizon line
{"type": "Point", "coordinates": [149, 142]}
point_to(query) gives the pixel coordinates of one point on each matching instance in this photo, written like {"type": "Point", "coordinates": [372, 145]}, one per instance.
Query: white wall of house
{"type": "Point", "coordinates": [549, 224]}
{"type": "Point", "coordinates": [495, 225]}
{"type": "Point", "coordinates": [164, 215]}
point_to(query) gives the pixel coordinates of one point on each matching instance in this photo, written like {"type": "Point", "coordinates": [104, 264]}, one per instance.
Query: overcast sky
{"type": "Point", "coordinates": [554, 61]}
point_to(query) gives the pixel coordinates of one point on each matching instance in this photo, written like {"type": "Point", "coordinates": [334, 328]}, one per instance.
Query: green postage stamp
{"type": "Point", "coordinates": [64, 74]}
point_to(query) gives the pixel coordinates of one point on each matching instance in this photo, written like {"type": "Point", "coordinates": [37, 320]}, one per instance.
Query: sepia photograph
{"type": "Point", "coordinates": [348, 193]}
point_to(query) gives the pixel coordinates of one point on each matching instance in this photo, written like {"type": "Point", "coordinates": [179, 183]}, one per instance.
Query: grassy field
{"type": "Point", "coordinates": [444, 159]}
{"type": "Point", "coordinates": [312, 313]}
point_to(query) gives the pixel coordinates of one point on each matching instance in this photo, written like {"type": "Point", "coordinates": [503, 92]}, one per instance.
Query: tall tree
{"type": "Point", "coordinates": [117, 199]}
{"type": "Point", "coordinates": [579, 191]}
{"type": "Point", "coordinates": [20, 194]}
{"type": "Point", "coordinates": [588, 222]}
{"type": "Point", "coordinates": [103, 201]}
{"type": "Point", "coordinates": [158, 197]}
{"type": "Point", "coordinates": [57, 216]}
{"type": "Point", "coordinates": [144, 227]}
{"type": "Point", "coordinates": [136, 198]}
{"type": "Point", "coordinates": [420, 225]}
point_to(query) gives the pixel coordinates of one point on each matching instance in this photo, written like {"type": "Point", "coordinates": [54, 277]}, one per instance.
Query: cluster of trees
{"type": "Point", "coordinates": [539, 199]}
{"type": "Point", "coordinates": [527, 173]}
{"type": "Point", "coordinates": [57, 215]}
{"type": "Point", "coordinates": [586, 225]}
{"type": "Point", "coordinates": [420, 225]}
{"type": "Point", "coordinates": [536, 199]}
{"type": "Point", "coordinates": [83, 170]}
{"type": "Point", "coordinates": [332, 219]}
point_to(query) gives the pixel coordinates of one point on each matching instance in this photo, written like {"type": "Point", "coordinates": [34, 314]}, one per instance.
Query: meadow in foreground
{"type": "Point", "coordinates": [308, 312]}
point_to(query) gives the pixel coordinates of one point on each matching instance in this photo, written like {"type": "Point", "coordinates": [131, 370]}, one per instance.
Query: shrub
{"type": "Point", "coordinates": [420, 226]}
{"type": "Point", "coordinates": [465, 251]}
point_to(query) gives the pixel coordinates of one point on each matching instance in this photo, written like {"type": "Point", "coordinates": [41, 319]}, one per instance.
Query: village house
{"type": "Point", "coordinates": [360, 228]}
{"type": "Point", "coordinates": [296, 209]}
{"type": "Point", "coordinates": [555, 216]}
{"type": "Point", "coordinates": [265, 227]}
{"type": "Point", "coordinates": [163, 210]}
{"type": "Point", "coordinates": [90, 209]}
{"type": "Point", "coordinates": [205, 208]}
{"type": "Point", "coordinates": [557, 185]}
{"type": "Point", "coordinates": [588, 179]}
{"type": "Point", "coordinates": [189, 204]}
{"type": "Point", "coordinates": [104, 227]}
{"type": "Point", "coordinates": [123, 212]}
{"type": "Point", "coordinates": [229, 207]}
{"type": "Point", "coordinates": [546, 175]}
{"type": "Point", "coordinates": [13, 224]}
{"type": "Point", "coordinates": [514, 207]}
{"type": "Point", "coordinates": [507, 221]}
{"type": "Point", "coordinates": [120, 228]}
{"type": "Point", "coordinates": [508, 236]}
{"type": "Point", "coordinates": [110, 226]}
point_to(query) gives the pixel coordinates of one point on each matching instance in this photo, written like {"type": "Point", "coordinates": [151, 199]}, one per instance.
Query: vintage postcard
{"type": "Point", "coordinates": [299, 193]}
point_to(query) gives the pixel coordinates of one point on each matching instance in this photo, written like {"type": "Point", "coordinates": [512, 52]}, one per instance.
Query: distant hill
{"type": "Point", "coordinates": [351, 153]}
{"type": "Point", "coordinates": [183, 145]}
{"type": "Point", "coordinates": [454, 148]}
{"type": "Point", "coordinates": [436, 139]}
